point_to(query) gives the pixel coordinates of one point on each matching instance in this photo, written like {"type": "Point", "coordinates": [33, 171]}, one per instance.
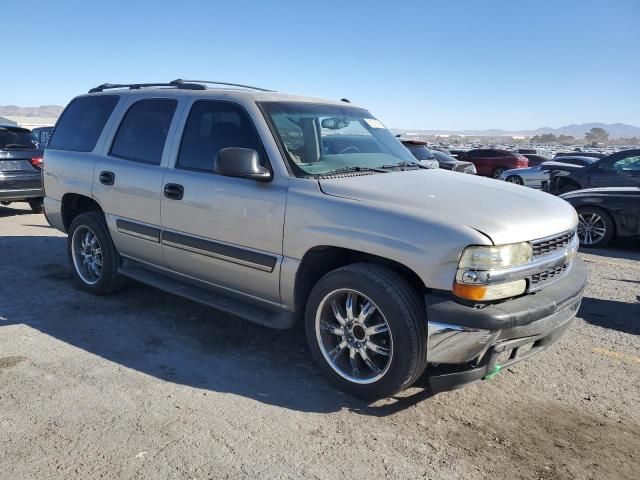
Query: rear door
{"type": "Point", "coordinates": [128, 175]}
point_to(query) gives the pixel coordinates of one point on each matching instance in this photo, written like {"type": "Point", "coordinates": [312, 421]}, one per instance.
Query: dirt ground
{"type": "Point", "coordinates": [142, 384]}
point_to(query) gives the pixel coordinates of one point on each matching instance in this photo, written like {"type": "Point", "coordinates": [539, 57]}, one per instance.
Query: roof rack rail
{"type": "Point", "coordinates": [180, 81]}
{"type": "Point", "coordinates": [136, 86]}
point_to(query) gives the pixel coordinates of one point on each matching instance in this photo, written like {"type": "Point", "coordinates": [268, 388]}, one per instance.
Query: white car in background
{"type": "Point", "coordinates": [539, 176]}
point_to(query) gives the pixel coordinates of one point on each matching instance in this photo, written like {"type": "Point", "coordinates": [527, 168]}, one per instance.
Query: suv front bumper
{"type": "Point", "coordinates": [464, 342]}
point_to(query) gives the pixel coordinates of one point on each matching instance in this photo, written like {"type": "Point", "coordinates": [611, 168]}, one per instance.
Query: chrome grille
{"type": "Point", "coordinates": [550, 244]}
{"type": "Point", "coordinates": [538, 279]}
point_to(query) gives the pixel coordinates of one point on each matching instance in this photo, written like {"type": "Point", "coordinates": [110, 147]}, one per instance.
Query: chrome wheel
{"type": "Point", "coordinates": [515, 179]}
{"type": "Point", "coordinates": [87, 254]}
{"type": "Point", "coordinates": [353, 336]}
{"type": "Point", "coordinates": [592, 228]}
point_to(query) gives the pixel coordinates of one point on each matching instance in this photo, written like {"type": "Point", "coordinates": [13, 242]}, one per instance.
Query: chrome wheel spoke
{"type": "Point", "coordinates": [374, 347]}
{"type": "Point", "coordinates": [333, 329]}
{"type": "Point", "coordinates": [349, 307]}
{"type": "Point", "coordinates": [353, 362]}
{"type": "Point", "coordinates": [341, 347]}
{"type": "Point", "coordinates": [365, 358]}
{"type": "Point", "coordinates": [375, 329]}
{"type": "Point", "coordinates": [365, 313]}
{"type": "Point", "coordinates": [336, 313]}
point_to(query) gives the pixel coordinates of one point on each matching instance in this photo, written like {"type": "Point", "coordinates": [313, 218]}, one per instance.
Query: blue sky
{"type": "Point", "coordinates": [445, 65]}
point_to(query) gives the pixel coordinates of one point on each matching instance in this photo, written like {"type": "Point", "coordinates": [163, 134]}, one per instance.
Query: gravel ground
{"type": "Point", "coordinates": [142, 384]}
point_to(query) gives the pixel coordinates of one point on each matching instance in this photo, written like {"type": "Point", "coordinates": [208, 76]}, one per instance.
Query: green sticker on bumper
{"type": "Point", "coordinates": [495, 372]}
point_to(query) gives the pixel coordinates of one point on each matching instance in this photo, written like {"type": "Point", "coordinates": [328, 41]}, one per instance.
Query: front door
{"type": "Point", "coordinates": [222, 230]}
{"type": "Point", "coordinates": [619, 170]}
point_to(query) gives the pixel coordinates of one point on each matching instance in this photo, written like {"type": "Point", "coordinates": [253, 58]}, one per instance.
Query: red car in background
{"type": "Point", "coordinates": [491, 162]}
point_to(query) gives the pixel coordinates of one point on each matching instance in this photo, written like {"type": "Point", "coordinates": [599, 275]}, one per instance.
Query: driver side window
{"type": "Point", "coordinates": [627, 164]}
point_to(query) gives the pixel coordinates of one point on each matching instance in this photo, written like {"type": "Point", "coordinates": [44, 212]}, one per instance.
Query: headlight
{"type": "Point", "coordinates": [488, 258]}
{"type": "Point", "coordinates": [479, 263]}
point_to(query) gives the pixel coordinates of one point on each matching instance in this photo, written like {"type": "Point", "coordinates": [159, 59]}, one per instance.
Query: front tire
{"type": "Point", "coordinates": [595, 227]}
{"type": "Point", "coordinates": [367, 330]}
{"type": "Point", "coordinates": [93, 256]}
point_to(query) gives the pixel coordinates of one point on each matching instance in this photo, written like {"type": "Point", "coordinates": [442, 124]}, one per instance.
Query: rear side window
{"type": "Point", "coordinates": [81, 123]}
{"type": "Point", "coordinates": [143, 130]}
{"type": "Point", "coordinates": [212, 126]}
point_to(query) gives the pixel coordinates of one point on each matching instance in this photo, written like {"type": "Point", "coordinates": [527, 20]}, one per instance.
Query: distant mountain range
{"type": "Point", "coordinates": [616, 130]}
{"type": "Point", "coordinates": [44, 111]}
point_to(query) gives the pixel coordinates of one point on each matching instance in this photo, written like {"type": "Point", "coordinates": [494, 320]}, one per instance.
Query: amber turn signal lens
{"type": "Point", "coordinates": [470, 292]}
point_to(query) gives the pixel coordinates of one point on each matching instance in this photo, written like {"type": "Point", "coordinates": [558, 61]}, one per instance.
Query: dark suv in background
{"type": "Point", "coordinates": [20, 167]}
{"type": "Point", "coordinates": [422, 152]}
{"type": "Point", "coordinates": [491, 162]}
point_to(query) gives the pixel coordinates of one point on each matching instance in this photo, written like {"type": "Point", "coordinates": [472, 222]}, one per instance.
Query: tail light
{"type": "Point", "coordinates": [36, 162]}
{"type": "Point", "coordinates": [523, 162]}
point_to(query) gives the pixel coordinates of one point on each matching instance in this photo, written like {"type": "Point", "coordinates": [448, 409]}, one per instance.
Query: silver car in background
{"type": "Point", "coordinates": [538, 177]}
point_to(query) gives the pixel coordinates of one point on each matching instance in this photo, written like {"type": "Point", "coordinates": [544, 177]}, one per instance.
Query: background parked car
{"type": "Point", "coordinates": [20, 167]}
{"type": "Point", "coordinates": [581, 153]}
{"type": "Point", "coordinates": [535, 159]}
{"type": "Point", "coordinates": [491, 162]}
{"type": "Point", "coordinates": [419, 149]}
{"type": "Point", "coordinates": [540, 175]}
{"type": "Point", "coordinates": [620, 169]}
{"type": "Point", "coordinates": [606, 213]}
{"type": "Point", "coordinates": [447, 162]}
{"type": "Point", "coordinates": [42, 134]}
{"type": "Point", "coordinates": [542, 152]}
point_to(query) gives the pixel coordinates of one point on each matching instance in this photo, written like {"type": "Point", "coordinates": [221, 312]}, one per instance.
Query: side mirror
{"type": "Point", "coordinates": [241, 163]}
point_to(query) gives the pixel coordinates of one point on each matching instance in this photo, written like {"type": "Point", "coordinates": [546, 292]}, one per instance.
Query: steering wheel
{"type": "Point", "coordinates": [350, 149]}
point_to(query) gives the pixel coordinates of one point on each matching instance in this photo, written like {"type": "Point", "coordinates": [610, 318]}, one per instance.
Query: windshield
{"type": "Point", "coordinates": [321, 139]}
{"type": "Point", "coordinates": [17, 138]}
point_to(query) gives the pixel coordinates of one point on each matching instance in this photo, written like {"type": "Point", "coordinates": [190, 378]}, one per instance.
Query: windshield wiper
{"type": "Point", "coordinates": [404, 164]}
{"type": "Point", "coordinates": [355, 169]}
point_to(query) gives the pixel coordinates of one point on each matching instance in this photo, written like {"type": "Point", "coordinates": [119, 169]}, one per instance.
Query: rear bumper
{"type": "Point", "coordinates": [18, 186]}
{"type": "Point", "coordinates": [467, 340]}
{"type": "Point", "coordinates": [53, 213]}
{"type": "Point", "coordinates": [19, 195]}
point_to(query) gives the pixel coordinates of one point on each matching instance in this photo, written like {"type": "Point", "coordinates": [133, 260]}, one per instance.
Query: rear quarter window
{"type": "Point", "coordinates": [81, 123]}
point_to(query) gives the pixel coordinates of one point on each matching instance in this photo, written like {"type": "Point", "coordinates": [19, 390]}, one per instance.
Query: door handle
{"type": "Point", "coordinates": [173, 191]}
{"type": "Point", "coordinates": [107, 178]}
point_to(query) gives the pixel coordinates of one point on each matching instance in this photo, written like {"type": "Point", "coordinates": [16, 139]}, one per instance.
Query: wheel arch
{"type": "Point", "coordinates": [320, 260]}
{"type": "Point", "coordinates": [73, 204]}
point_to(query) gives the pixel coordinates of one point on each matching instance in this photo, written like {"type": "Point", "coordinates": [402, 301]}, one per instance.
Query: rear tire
{"type": "Point", "coordinates": [387, 322]}
{"type": "Point", "coordinates": [93, 256]}
{"type": "Point", "coordinates": [515, 179]}
{"type": "Point", "coordinates": [37, 205]}
{"type": "Point", "coordinates": [498, 171]}
{"type": "Point", "coordinates": [595, 227]}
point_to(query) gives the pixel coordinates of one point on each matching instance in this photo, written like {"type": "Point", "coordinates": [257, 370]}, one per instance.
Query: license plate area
{"type": "Point", "coordinates": [15, 165]}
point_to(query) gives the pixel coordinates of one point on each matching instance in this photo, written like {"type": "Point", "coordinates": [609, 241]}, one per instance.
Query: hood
{"type": "Point", "coordinates": [504, 212]}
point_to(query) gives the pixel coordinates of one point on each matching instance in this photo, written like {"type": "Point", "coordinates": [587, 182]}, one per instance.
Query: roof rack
{"type": "Point", "coordinates": [180, 81]}
{"type": "Point", "coordinates": [136, 86]}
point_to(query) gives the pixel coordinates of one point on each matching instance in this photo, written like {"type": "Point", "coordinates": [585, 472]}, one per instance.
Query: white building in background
{"type": "Point", "coordinates": [7, 121]}
{"type": "Point", "coordinates": [33, 122]}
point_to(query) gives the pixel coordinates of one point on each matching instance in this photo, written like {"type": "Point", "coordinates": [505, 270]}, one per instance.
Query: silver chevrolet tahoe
{"type": "Point", "coordinates": [275, 207]}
